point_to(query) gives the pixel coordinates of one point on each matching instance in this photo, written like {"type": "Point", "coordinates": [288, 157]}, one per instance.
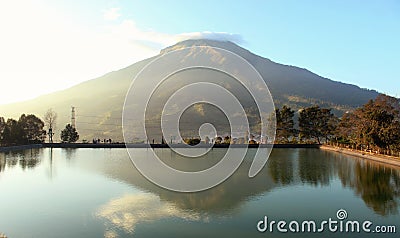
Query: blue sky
{"type": "Point", "coordinates": [62, 43]}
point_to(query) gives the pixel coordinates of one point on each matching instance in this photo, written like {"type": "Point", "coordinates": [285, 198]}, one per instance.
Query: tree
{"type": "Point", "coordinates": [346, 131]}
{"type": "Point", "coordinates": [31, 129]}
{"type": "Point", "coordinates": [50, 118]}
{"type": "Point", "coordinates": [12, 133]}
{"type": "Point", "coordinates": [192, 141]}
{"type": "Point", "coordinates": [308, 123]}
{"type": "Point", "coordinates": [2, 127]}
{"type": "Point", "coordinates": [227, 140]}
{"type": "Point", "coordinates": [27, 130]}
{"type": "Point", "coordinates": [328, 123]}
{"type": "Point", "coordinates": [252, 142]}
{"type": "Point", "coordinates": [384, 117]}
{"type": "Point", "coordinates": [316, 123]}
{"type": "Point", "coordinates": [376, 124]}
{"type": "Point", "coordinates": [218, 140]}
{"type": "Point", "coordinates": [284, 124]}
{"type": "Point", "coordinates": [69, 134]}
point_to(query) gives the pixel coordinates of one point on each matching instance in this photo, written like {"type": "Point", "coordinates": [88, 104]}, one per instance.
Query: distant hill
{"type": "Point", "coordinates": [99, 101]}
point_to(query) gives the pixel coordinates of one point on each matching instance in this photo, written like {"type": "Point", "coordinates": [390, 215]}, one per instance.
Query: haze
{"type": "Point", "coordinates": [48, 46]}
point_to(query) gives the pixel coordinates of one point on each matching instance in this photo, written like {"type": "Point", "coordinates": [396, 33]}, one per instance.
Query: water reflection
{"type": "Point", "coordinates": [377, 185]}
{"type": "Point", "coordinates": [26, 159]}
{"type": "Point", "coordinates": [98, 192]}
{"type": "Point", "coordinates": [315, 169]}
{"type": "Point", "coordinates": [50, 172]}
{"type": "Point", "coordinates": [70, 153]}
{"type": "Point", "coordinates": [2, 162]}
{"type": "Point", "coordinates": [126, 212]}
{"type": "Point", "coordinates": [223, 198]}
{"type": "Point", "coordinates": [281, 168]}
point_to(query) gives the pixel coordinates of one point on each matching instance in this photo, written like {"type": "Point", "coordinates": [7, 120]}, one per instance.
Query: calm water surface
{"type": "Point", "coordinates": [99, 193]}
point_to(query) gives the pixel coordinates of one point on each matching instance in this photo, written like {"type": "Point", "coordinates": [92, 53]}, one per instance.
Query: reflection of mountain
{"type": "Point", "coordinates": [98, 190]}
{"type": "Point", "coordinates": [224, 197]}
{"type": "Point", "coordinates": [377, 185]}
{"type": "Point", "coordinates": [99, 101]}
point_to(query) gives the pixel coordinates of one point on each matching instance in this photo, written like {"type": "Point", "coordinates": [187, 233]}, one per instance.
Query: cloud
{"type": "Point", "coordinates": [157, 40]}
{"type": "Point", "coordinates": [220, 36]}
{"type": "Point", "coordinates": [129, 31]}
{"type": "Point", "coordinates": [153, 39]}
{"type": "Point", "coordinates": [61, 53]}
{"type": "Point", "coordinates": [111, 14]}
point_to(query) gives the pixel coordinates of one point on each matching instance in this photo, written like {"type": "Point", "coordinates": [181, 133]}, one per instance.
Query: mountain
{"type": "Point", "coordinates": [99, 101]}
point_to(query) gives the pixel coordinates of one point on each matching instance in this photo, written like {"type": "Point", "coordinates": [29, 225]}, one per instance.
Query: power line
{"type": "Point", "coordinates": [104, 117]}
{"type": "Point", "coordinates": [99, 124]}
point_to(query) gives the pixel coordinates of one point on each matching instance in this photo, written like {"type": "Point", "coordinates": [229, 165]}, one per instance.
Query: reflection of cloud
{"type": "Point", "coordinates": [130, 210]}
{"type": "Point", "coordinates": [110, 234]}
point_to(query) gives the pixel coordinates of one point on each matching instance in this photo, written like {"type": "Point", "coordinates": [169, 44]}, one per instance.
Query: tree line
{"type": "Point", "coordinates": [30, 129]}
{"type": "Point", "coordinates": [375, 126]}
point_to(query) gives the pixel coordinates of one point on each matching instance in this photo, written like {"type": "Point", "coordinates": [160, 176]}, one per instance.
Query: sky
{"type": "Point", "coordinates": [50, 45]}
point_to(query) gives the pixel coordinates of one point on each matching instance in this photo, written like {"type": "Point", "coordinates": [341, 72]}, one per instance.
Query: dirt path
{"type": "Point", "coordinates": [365, 155]}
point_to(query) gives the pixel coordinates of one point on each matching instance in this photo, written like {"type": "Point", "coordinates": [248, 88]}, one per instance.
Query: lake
{"type": "Point", "coordinates": [99, 193]}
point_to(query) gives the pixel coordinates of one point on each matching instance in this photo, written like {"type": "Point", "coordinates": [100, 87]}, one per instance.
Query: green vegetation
{"type": "Point", "coordinates": [372, 127]}
{"type": "Point", "coordinates": [100, 100]}
{"type": "Point", "coordinates": [27, 130]}
{"type": "Point", "coordinates": [69, 134]}
{"type": "Point", "coordinates": [315, 125]}
{"type": "Point", "coordinates": [192, 141]}
{"type": "Point", "coordinates": [284, 124]}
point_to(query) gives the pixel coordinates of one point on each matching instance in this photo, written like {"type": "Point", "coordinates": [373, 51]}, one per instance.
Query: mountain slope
{"type": "Point", "coordinates": [294, 85]}
{"type": "Point", "coordinates": [99, 101]}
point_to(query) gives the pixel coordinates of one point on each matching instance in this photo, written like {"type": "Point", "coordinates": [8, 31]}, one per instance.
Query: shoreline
{"type": "Point", "coordinates": [123, 145]}
{"type": "Point", "coordinates": [385, 159]}
{"type": "Point", "coordinates": [20, 147]}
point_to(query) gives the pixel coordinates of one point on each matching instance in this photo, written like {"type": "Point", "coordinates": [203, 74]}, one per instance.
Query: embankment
{"type": "Point", "coordinates": [365, 155]}
{"type": "Point", "coordinates": [122, 145]}
{"type": "Point", "coordinates": [20, 147]}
